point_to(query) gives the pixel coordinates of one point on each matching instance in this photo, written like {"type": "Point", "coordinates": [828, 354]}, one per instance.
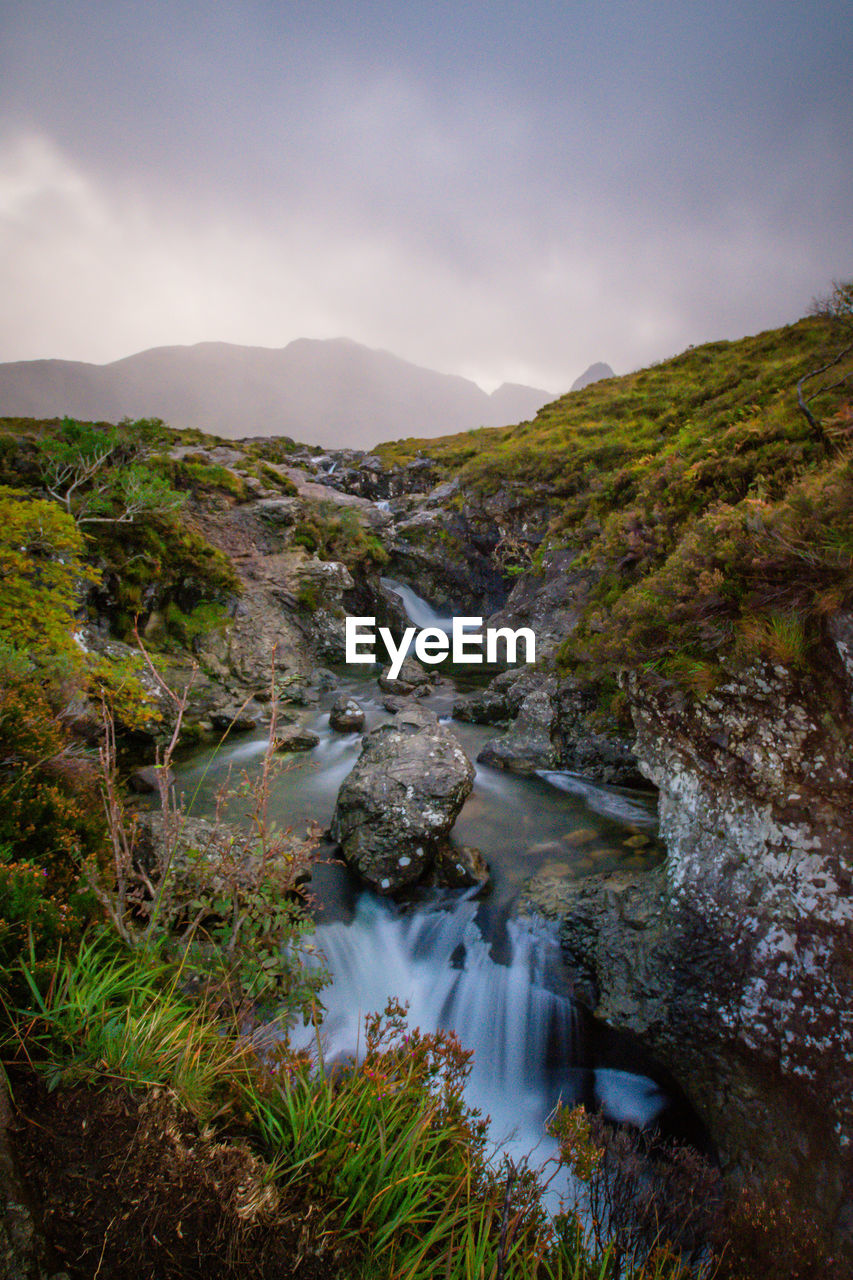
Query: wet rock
{"type": "Point", "coordinates": [734, 960]}
{"type": "Point", "coordinates": [397, 806]}
{"type": "Point", "coordinates": [346, 715]}
{"type": "Point", "coordinates": [560, 730]}
{"type": "Point", "coordinates": [296, 738]}
{"type": "Point", "coordinates": [584, 746]}
{"type": "Point", "coordinates": [396, 702]}
{"type": "Point", "coordinates": [580, 836]}
{"type": "Point", "coordinates": [486, 706]}
{"type": "Point", "coordinates": [149, 778]}
{"type": "Point", "coordinates": [549, 601]}
{"type": "Point", "coordinates": [528, 745]}
{"type": "Point", "coordinates": [300, 695]}
{"type": "Point", "coordinates": [412, 679]}
{"type": "Point", "coordinates": [460, 868]}
{"type": "Point", "coordinates": [611, 926]}
{"type": "Point", "coordinates": [234, 718]}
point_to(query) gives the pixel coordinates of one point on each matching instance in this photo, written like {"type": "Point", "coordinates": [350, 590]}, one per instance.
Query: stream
{"type": "Point", "coordinates": [466, 962]}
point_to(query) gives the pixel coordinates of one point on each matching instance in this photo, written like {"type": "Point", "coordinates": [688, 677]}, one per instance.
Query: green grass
{"type": "Point", "coordinates": [715, 518]}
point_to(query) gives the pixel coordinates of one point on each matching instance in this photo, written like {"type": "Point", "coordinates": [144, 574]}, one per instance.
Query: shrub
{"type": "Point", "coordinates": [332, 532]}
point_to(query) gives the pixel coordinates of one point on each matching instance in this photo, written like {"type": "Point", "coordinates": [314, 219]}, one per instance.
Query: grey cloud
{"type": "Point", "coordinates": [506, 193]}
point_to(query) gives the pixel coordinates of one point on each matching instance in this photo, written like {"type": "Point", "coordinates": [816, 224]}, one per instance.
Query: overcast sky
{"type": "Point", "coordinates": [507, 191]}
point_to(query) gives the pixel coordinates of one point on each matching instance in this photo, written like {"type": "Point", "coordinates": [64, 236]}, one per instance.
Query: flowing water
{"type": "Point", "coordinates": [465, 963]}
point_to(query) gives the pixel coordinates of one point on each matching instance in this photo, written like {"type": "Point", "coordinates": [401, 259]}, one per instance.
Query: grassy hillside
{"type": "Point", "coordinates": [717, 519]}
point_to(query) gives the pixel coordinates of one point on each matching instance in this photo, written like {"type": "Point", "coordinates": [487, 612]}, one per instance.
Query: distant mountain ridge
{"type": "Point", "coordinates": [333, 392]}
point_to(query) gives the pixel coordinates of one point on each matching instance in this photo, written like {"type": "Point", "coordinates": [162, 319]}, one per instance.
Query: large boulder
{"type": "Point", "coordinates": [396, 808]}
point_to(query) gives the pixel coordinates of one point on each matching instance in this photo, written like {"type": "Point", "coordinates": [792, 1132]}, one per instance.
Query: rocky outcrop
{"type": "Point", "coordinates": [549, 600]}
{"type": "Point", "coordinates": [397, 806]}
{"type": "Point", "coordinates": [554, 724]}
{"type": "Point", "coordinates": [735, 961]}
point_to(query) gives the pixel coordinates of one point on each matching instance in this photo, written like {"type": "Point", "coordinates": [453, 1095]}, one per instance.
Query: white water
{"type": "Point", "coordinates": [418, 611]}
{"type": "Point", "coordinates": [608, 801]}
{"type": "Point", "coordinates": [523, 1033]}
{"type": "Point", "coordinates": [437, 959]}
{"type": "Point", "coordinates": [440, 955]}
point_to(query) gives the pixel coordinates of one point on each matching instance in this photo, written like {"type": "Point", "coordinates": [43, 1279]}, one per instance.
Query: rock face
{"type": "Point", "coordinates": [735, 961]}
{"type": "Point", "coordinates": [396, 808]}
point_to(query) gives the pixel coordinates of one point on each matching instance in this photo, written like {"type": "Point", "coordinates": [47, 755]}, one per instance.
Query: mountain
{"type": "Point", "coordinates": [332, 392]}
{"type": "Point", "coordinates": [594, 373]}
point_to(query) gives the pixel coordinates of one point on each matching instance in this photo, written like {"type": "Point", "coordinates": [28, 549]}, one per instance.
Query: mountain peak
{"type": "Point", "coordinates": [594, 373]}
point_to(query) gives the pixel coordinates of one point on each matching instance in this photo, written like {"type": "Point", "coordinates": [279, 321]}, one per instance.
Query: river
{"type": "Point", "coordinates": [467, 963]}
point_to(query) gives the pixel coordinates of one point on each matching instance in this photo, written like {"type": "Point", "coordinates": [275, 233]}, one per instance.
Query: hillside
{"type": "Point", "coordinates": [713, 516]}
{"type": "Point", "coordinates": [335, 393]}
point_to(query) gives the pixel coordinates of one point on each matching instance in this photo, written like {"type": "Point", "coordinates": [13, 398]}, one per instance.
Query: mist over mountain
{"type": "Point", "coordinates": [332, 392]}
{"type": "Point", "coordinates": [594, 373]}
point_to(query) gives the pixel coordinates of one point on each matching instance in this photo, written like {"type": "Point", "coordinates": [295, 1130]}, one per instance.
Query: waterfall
{"type": "Point", "coordinates": [438, 960]}
{"type": "Point", "coordinates": [418, 611]}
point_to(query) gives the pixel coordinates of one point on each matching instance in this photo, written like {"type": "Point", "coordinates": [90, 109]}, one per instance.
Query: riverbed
{"type": "Point", "coordinates": [467, 961]}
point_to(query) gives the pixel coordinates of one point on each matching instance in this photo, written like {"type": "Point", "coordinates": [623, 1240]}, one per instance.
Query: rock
{"type": "Point", "coordinates": [486, 706]}
{"type": "Point", "coordinates": [346, 715]}
{"type": "Point", "coordinates": [550, 601]}
{"type": "Point", "coordinates": [397, 806]}
{"type": "Point", "coordinates": [580, 836]}
{"type": "Point", "coordinates": [296, 739]}
{"type": "Point", "coordinates": [528, 744]}
{"type": "Point", "coordinates": [300, 695]}
{"type": "Point", "coordinates": [584, 746]}
{"type": "Point", "coordinates": [412, 679]}
{"type": "Point", "coordinates": [235, 719]}
{"type": "Point", "coordinates": [460, 867]}
{"type": "Point", "coordinates": [149, 778]}
{"type": "Point", "coordinates": [561, 730]}
{"type": "Point", "coordinates": [396, 702]}
{"type": "Point", "coordinates": [613, 971]}
{"type": "Point", "coordinates": [279, 511]}
{"type": "Point", "coordinates": [734, 960]}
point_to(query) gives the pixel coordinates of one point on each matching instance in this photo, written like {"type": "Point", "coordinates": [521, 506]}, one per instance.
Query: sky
{"type": "Point", "coordinates": [506, 191]}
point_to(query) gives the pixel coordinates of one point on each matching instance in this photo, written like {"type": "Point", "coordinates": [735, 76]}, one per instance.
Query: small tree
{"type": "Point", "coordinates": [98, 474]}
{"type": "Point", "coordinates": [836, 307]}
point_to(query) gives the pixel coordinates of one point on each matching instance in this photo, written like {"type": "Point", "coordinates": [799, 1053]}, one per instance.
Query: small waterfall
{"type": "Point", "coordinates": [417, 610]}
{"type": "Point", "coordinates": [438, 960]}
